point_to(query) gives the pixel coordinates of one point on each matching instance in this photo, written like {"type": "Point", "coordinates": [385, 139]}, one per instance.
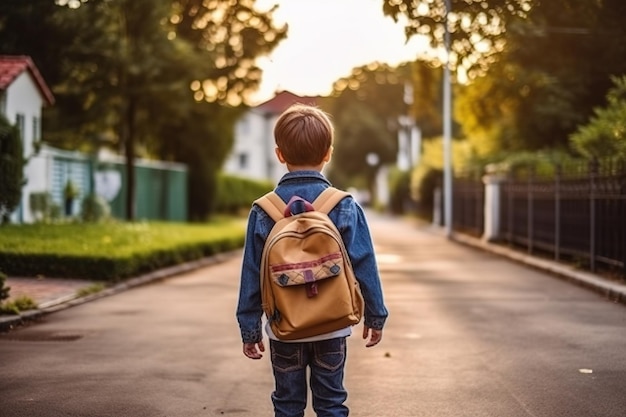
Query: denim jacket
{"type": "Point", "coordinates": [349, 218]}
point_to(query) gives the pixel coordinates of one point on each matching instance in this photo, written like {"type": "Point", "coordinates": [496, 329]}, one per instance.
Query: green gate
{"type": "Point", "coordinates": [160, 190]}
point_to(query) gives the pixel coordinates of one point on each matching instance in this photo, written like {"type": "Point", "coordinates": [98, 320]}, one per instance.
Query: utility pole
{"type": "Point", "coordinates": [447, 131]}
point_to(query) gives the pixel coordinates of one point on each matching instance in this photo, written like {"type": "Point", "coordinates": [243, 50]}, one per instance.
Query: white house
{"type": "Point", "coordinates": [253, 153]}
{"type": "Point", "coordinates": [23, 94]}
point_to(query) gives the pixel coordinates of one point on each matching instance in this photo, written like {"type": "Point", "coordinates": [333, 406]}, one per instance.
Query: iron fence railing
{"type": "Point", "coordinates": [578, 215]}
{"type": "Point", "coordinates": [468, 206]}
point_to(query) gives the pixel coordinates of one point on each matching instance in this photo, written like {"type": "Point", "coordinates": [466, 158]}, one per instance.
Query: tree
{"type": "Point", "coordinates": [427, 86]}
{"type": "Point", "coordinates": [231, 35]}
{"type": "Point", "coordinates": [30, 28]}
{"type": "Point", "coordinates": [477, 28]}
{"type": "Point", "coordinates": [126, 62]}
{"type": "Point", "coordinates": [605, 134]}
{"type": "Point", "coordinates": [202, 139]}
{"type": "Point", "coordinates": [360, 136]}
{"type": "Point", "coordinates": [547, 80]}
{"type": "Point", "coordinates": [365, 106]}
{"type": "Point", "coordinates": [11, 169]}
{"type": "Point", "coordinates": [155, 78]}
{"type": "Point", "coordinates": [228, 35]}
{"type": "Point", "coordinates": [512, 109]}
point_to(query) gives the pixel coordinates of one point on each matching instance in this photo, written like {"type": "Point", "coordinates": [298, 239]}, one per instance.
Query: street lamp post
{"type": "Point", "coordinates": [373, 160]}
{"type": "Point", "coordinates": [447, 131]}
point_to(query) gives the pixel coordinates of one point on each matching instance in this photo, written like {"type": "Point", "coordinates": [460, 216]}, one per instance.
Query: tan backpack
{"type": "Point", "coordinates": [308, 286]}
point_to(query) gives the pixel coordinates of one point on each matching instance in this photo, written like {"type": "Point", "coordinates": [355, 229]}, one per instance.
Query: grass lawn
{"type": "Point", "coordinates": [115, 249]}
{"type": "Point", "coordinates": [112, 239]}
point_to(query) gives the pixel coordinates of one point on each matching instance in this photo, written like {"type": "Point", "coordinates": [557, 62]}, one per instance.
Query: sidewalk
{"type": "Point", "coordinates": [53, 294]}
{"type": "Point", "coordinates": [613, 290]}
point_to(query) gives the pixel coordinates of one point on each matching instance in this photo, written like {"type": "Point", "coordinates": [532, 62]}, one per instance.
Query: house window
{"type": "Point", "coordinates": [244, 126]}
{"type": "Point", "coordinates": [243, 160]}
{"type": "Point", "coordinates": [3, 103]}
{"type": "Point", "coordinates": [36, 130]}
{"type": "Point", "coordinates": [20, 123]}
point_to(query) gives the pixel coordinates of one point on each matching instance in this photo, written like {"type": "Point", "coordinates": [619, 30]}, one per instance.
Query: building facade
{"type": "Point", "coordinates": [23, 94]}
{"type": "Point", "coordinates": [253, 155]}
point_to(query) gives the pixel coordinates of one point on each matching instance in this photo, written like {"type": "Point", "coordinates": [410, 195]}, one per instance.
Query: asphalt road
{"type": "Point", "coordinates": [469, 334]}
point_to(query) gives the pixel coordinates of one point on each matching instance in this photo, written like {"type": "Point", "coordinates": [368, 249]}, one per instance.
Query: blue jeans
{"type": "Point", "coordinates": [326, 360]}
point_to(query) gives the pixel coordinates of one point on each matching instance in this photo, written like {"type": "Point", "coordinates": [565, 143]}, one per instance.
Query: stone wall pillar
{"type": "Point", "coordinates": [493, 184]}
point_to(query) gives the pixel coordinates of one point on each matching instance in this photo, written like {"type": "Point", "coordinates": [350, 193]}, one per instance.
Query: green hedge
{"type": "Point", "coordinates": [111, 251]}
{"type": "Point", "coordinates": [399, 191]}
{"type": "Point", "coordinates": [235, 195]}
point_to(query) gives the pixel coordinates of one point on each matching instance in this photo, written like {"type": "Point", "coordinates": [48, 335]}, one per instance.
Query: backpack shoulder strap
{"type": "Point", "coordinates": [328, 199]}
{"type": "Point", "coordinates": [273, 205]}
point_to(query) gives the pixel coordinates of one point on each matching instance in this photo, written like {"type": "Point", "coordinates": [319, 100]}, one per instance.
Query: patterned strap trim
{"type": "Point", "coordinates": [307, 272]}
{"type": "Point", "coordinates": [306, 265]}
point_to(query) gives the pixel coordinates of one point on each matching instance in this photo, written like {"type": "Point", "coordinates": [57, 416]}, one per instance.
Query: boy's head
{"type": "Point", "coordinates": [304, 136]}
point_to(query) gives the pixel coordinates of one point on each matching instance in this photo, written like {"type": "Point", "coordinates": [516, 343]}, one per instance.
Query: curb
{"type": "Point", "coordinates": [10, 322]}
{"type": "Point", "coordinates": [613, 291]}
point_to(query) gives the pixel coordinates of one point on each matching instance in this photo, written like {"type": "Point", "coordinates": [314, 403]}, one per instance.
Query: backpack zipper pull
{"type": "Point", "coordinates": [311, 285]}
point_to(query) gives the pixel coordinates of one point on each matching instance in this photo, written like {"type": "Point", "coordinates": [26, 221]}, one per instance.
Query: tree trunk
{"type": "Point", "coordinates": [128, 132]}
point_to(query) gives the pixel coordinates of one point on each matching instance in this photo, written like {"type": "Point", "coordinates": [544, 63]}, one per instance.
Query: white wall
{"type": "Point", "coordinates": [23, 98]}
{"type": "Point", "coordinates": [254, 138]}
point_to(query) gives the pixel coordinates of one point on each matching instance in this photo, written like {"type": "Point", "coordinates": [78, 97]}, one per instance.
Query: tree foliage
{"type": "Point", "coordinates": [366, 106]}
{"type": "Point", "coordinates": [155, 78]}
{"type": "Point", "coordinates": [477, 28]}
{"type": "Point", "coordinates": [30, 28]}
{"type": "Point", "coordinates": [230, 34]}
{"type": "Point", "coordinates": [556, 67]}
{"type": "Point", "coordinates": [605, 134]}
{"type": "Point", "coordinates": [11, 169]}
{"type": "Point", "coordinates": [427, 104]}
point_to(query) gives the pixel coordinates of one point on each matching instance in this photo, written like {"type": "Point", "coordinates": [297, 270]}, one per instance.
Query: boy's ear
{"type": "Point", "coordinates": [279, 155]}
{"type": "Point", "coordinates": [328, 155]}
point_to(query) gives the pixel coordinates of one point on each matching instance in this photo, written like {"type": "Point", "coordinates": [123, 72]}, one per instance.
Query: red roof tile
{"type": "Point", "coordinates": [11, 66]}
{"type": "Point", "coordinates": [283, 100]}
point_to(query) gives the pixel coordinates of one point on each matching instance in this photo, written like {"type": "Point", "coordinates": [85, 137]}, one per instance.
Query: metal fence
{"type": "Point", "coordinates": [161, 187]}
{"type": "Point", "coordinates": [576, 215]}
{"type": "Point", "coordinates": [468, 208]}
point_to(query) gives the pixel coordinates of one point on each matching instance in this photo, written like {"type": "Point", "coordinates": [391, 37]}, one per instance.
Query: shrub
{"type": "Point", "coordinates": [95, 209]}
{"type": "Point", "coordinates": [11, 169]}
{"type": "Point", "coordinates": [14, 306]}
{"type": "Point", "coordinates": [4, 290]}
{"type": "Point", "coordinates": [400, 191]}
{"type": "Point", "coordinates": [424, 181]}
{"type": "Point", "coordinates": [43, 208]}
{"type": "Point", "coordinates": [236, 194]}
{"type": "Point", "coordinates": [18, 305]}
{"type": "Point", "coordinates": [605, 135]}
{"type": "Point", "coordinates": [91, 289]}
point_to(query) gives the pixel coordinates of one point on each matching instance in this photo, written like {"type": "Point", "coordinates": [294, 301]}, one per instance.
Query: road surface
{"type": "Point", "coordinates": [469, 334]}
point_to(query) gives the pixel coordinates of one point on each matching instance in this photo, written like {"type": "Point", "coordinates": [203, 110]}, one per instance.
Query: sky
{"type": "Point", "coordinates": [325, 40]}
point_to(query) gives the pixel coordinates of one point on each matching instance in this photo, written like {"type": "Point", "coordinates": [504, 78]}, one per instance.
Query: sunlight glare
{"type": "Point", "coordinates": [326, 40]}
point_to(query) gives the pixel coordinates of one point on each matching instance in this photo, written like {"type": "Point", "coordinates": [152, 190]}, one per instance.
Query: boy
{"type": "Point", "coordinates": [304, 137]}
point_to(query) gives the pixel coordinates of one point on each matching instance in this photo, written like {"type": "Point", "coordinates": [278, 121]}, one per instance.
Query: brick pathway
{"type": "Point", "coordinates": [45, 290]}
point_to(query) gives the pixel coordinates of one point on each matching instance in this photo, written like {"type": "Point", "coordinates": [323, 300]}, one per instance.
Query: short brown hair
{"type": "Point", "coordinates": [304, 134]}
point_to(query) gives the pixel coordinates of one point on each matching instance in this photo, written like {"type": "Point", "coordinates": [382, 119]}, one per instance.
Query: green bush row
{"type": "Point", "coordinates": [235, 195]}
{"type": "Point", "coordinates": [111, 251]}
